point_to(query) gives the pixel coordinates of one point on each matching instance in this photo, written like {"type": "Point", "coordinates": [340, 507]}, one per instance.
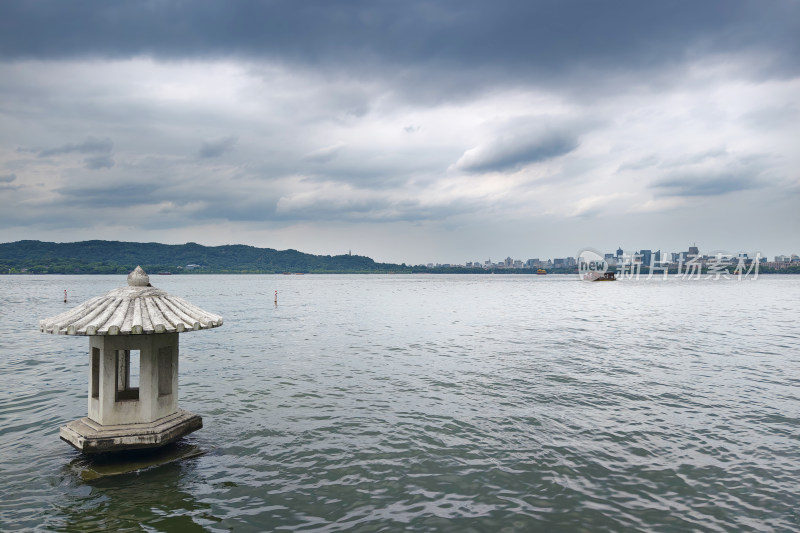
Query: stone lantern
{"type": "Point", "coordinates": [137, 321]}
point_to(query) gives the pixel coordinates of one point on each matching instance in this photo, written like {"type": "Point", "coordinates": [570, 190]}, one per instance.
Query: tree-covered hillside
{"type": "Point", "coordinates": [107, 257]}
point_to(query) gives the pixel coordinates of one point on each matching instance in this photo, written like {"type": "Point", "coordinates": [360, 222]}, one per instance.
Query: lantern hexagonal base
{"type": "Point", "coordinates": [90, 437]}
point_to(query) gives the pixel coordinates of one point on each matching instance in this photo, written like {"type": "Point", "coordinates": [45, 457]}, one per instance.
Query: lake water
{"type": "Point", "coordinates": [430, 403]}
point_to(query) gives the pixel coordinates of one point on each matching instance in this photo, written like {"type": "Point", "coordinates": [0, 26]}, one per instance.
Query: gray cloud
{"type": "Point", "coordinates": [714, 185]}
{"type": "Point", "coordinates": [507, 39]}
{"type": "Point", "coordinates": [373, 210]}
{"type": "Point", "coordinates": [91, 145]}
{"type": "Point", "coordinates": [657, 88]}
{"type": "Point", "coordinates": [217, 147]}
{"type": "Point", "coordinates": [7, 178]}
{"type": "Point", "coordinates": [714, 172]}
{"type": "Point", "coordinates": [101, 147]}
{"type": "Point", "coordinates": [513, 152]}
{"type": "Point", "coordinates": [324, 155]}
{"type": "Point", "coordinates": [100, 161]}
{"type": "Point", "coordinates": [673, 162]}
{"type": "Point", "coordinates": [639, 164]}
{"type": "Point", "coordinates": [110, 195]}
{"type": "Point", "coordinates": [694, 158]}
{"type": "Point", "coordinates": [773, 117]}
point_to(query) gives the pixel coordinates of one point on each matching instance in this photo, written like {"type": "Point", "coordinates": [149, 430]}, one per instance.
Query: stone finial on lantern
{"type": "Point", "coordinates": [133, 322]}
{"type": "Point", "coordinates": [138, 278]}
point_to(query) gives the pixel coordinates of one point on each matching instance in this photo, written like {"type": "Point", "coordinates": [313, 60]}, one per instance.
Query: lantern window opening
{"type": "Point", "coordinates": [95, 392]}
{"type": "Point", "coordinates": [127, 375]}
{"type": "Point", "coordinates": [165, 371]}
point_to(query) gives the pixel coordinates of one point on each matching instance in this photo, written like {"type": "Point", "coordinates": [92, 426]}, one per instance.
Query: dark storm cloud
{"type": "Point", "coordinates": [217, 147]}
{"type": "Point", "coordinates": [516, 152]}
{"type": "Point", "coordinates": [377, 111]}
{"type": "Point", "coordinates": [508, 38]}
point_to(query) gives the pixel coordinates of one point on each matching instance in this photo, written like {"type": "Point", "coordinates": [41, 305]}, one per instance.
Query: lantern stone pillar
{"type": "Point", "coordinates": [113, 398]}
{"type": "Point", "coordinates": [135, 326]}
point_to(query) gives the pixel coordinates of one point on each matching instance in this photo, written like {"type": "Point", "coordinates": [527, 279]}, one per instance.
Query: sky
{"type": "Point", "coordinates": [416, 132]}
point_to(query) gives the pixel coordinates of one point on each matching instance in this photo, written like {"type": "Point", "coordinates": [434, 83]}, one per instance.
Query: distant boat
{"type": "Point", "coordinates": [541, 272]}
{"type": "Point", "coordinates": [600, 276]}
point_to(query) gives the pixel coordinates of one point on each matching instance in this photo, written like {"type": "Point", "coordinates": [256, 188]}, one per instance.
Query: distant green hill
{"type": "Point", "coordinates": [115, 257]}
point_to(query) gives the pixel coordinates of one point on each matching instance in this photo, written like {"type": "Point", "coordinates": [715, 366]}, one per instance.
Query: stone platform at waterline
{"type": "Point", "coordinates": [90, 437]}
{"type": "Point", "coordinates": [134, 321]}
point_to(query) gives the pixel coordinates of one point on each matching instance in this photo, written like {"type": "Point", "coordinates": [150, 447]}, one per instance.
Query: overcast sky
{"type": "Point", "coordinates": [445, 131]}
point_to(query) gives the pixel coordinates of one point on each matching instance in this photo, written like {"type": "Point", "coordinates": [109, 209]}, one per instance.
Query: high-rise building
{"type": "Point", "coordinates": [647, 256]}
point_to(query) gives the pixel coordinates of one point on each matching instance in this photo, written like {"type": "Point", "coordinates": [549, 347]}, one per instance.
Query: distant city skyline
{"type": "Point", "coordinates": [408, 132]}
{"type": "Point", "coordinates": [643, 255]}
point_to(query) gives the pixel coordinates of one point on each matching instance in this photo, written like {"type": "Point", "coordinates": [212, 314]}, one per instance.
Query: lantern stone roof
{"type": "Point", "coordinates": [136, 309]}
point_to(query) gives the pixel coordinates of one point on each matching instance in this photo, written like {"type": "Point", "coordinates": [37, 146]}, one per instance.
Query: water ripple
{"type": "Point", "coordinates": [431, 403]}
